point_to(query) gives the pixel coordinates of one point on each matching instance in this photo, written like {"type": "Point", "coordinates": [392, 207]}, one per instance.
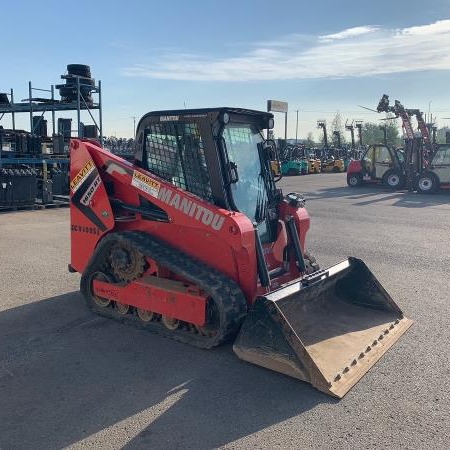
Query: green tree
{"type": "Point", "coordinates": [373, 133]}
{"type": "Point", "coordinates": [309, 142]}
{"type": "Point", "coordinates": [337, 125]}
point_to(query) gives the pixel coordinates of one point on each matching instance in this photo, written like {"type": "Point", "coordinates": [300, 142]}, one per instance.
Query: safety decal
{"type": "Point", "coordinates": [145, 184]}
{"type": "Point", "coordinates": [82, 175]}
{"type": "Point", "coordinates": [91, 190]}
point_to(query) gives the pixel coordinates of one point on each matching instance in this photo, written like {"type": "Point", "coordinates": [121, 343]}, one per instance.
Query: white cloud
{"type": "Point", "coordinates": [355, 52]}
{"type": "Point", "coordinates": [441, 26]}
{"type": "Point", "coordinates": [350, 32]}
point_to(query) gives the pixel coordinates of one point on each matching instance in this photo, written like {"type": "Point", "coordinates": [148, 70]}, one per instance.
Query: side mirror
{"type": "Point", "coordinates": [273, 158]}
{"type": "Point", "coordinates": [233, 172]}
{"type": "Point", "coordinates": [271, 150]}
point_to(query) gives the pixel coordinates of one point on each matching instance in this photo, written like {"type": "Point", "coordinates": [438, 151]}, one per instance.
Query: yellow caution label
{"type": "Point", "coordinates": [145, 184]}
{"type": "Point", "coordinates": [82, 175]}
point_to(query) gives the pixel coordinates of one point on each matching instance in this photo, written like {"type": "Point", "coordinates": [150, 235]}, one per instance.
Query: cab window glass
{"type": "Point", "coordinates": [442, 156]}
{"type": "Point", "coordinates": [382, 154]}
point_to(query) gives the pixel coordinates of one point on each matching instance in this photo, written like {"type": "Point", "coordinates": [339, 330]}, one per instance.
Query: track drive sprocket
{"type": "Point", "coordinates": [127, 262]}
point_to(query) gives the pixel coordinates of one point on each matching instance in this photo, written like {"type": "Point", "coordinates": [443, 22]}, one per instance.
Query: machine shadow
{"type": "Point", "coordinates": [376, 194]}
{"type": "Point", "coordinates": [66, 376]}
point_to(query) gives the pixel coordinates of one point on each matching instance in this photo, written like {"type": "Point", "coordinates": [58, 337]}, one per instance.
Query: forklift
{"type": "Point", "coordinates": [379, 164]}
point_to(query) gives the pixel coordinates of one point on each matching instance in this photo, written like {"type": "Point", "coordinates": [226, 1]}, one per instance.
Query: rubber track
{"type": "Point", "coordinates": [226, 293]}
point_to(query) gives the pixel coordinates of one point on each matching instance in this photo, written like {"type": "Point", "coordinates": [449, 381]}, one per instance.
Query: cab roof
{"type": "Point", "coordinates": [186, 112]}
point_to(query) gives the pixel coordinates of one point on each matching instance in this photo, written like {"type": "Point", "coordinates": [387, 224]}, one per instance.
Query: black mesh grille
{"type": "Point", "coordinates": [175, 152]}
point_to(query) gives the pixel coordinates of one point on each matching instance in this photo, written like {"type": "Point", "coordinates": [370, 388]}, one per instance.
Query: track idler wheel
{"type": "Point", "coordinates": [212, 325]}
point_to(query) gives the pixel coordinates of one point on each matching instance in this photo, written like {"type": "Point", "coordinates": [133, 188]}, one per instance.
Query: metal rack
{"type": "Point", "coordinates": [32, 105]}
{"type": "Point", "coordinates": [78, 97]}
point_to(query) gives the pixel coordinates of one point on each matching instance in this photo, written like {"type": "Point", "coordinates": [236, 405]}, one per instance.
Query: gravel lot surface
{"type": "Point", "coordinates": [70, 379]}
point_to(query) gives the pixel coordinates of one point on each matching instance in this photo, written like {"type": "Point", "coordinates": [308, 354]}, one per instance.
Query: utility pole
{"type": "Point", "coordinates": [296, 129]}
{"type": "Point", "coordinates": [134, 126]}
{"type": "Point", "coordinates": [285, 126]}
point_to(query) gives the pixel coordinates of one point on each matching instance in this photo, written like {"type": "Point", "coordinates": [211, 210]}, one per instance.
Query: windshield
{"type": "Point", "coordinates": [442, 155]}
{"type": "Point", "coordinates": [249, 192]}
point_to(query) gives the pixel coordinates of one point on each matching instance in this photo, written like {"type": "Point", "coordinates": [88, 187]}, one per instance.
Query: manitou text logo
{"type": "Point", "coordinates": [191, 209]}
{"type": "Point", "coordinates": [168, 118]}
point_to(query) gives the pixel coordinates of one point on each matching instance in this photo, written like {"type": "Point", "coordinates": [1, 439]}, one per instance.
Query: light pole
{"type": "Point", "coordinates": [134, 126]}
{"type": "Point", "coordinates": [285, 126]}
{"type": "Point", "coordinates": [296, 129]}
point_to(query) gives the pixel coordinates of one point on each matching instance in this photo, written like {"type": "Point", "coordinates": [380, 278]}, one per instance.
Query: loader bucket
{"type": "Point", "coordinates": [328, 328]}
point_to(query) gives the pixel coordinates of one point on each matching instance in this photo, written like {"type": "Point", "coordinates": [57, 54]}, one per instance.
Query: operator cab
{"type": "Point", "coordinates": [218, 154]}
{"type": "Point", "coordinates": [380, 158]}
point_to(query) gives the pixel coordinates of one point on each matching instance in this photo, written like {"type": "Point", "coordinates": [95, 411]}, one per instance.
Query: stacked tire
{"type": "Point", "coordinates": [79, 69]}
{"type": "Point", "coordinates": [68, 92]}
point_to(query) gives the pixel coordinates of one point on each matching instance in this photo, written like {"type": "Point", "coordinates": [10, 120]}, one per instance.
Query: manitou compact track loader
{"type": "Point", "coordinates": [193, 240]}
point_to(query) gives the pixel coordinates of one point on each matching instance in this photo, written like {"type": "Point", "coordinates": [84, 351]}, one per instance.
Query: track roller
{"type": "Point", "coordinates": [170, 323]}
{"type": "Point", "coordinates": [121, 308]}
{"type": "Point", "coordinates": [144, 315]}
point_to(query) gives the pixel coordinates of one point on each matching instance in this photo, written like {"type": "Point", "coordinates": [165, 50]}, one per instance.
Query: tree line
{"type": "Point", "coordinates": [372, 133]}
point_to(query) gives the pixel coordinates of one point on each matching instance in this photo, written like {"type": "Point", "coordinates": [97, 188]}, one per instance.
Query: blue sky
{"type": "Point", "coordinates": [320, 57]}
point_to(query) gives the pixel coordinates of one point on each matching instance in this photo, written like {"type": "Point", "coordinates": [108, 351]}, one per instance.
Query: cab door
{"type": "Point", "coordinates": [382, 160]}
{"type": "Point", "coordinates": [440, 164]}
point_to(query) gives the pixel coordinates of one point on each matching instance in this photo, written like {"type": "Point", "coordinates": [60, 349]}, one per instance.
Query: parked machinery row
{"type": "Point", "coordinates": [301, 160]}
{"type": "Point", "coordinates": [421, 165]}
{"type": "Point", "coordinates": [387, 165]}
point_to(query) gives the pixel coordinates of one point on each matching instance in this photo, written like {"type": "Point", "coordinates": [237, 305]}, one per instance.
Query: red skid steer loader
{"type": "Point", "coordinates": [194, 241]}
